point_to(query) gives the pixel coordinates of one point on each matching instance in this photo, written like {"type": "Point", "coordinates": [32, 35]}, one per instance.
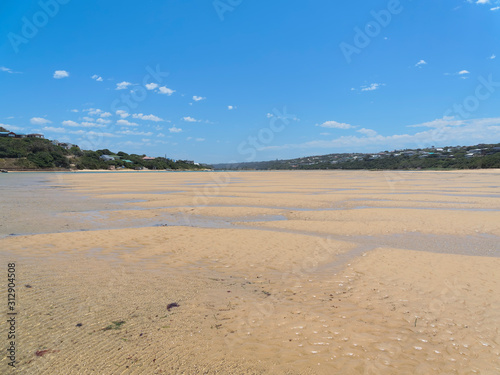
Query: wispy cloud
{"type": "Point", "coordinates": [372, 87]}
{"type": "Point", "coordinates": [367, 132]}
{"type": "Point", "coordinates": [126, 123]}
{"type": "Point", "coordinates": [122, 113]}
{"type": "Point", "coordinates": [83, 124]}
{"type": "Point", "coordinates": [70, 123]}
{"type": "Point", "coordinates": [11, 127]}
{"type": "Point", "coordinates": [198, 98]}
{"type": "Point", "coordinates": [51, 129]}
{"type": "Point", "coordinates": [190, 119]}
{"type": "Point", "coordinates": [7, 70]}
{"type": "Point", "coordinates": [58, 74]}
{"type": "Point", "coordinates": [420, 63]}
{"type": "Point", "coordinates": [97, 78]}
{"type": "Point", "coordinates": [231, 107]}
{"type": "Point", "coordinates": [335, 125]}
{"type": "Point", "coordinates": [94, 111]}
{"type": "Point", "coordinates": [446, 131]}
{"type": "Point", "coordinates": [131, 132]}
{"type": "Point", "coordinates": [39, 121]}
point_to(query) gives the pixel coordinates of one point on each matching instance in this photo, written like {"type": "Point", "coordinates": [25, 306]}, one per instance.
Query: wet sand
{"type": "Point", "coordinates": [254, 272]}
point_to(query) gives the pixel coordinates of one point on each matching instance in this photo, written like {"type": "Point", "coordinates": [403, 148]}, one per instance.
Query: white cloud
{"type": "Point", "coordinates": [106, 114]}
{"type": "Point", "coordinates": [91, 133]}
{"type": "Point", "coordinates": [450, 132]}
{"type": "Point", "coordinates": [93, 111]}
{"type": "Point", "coordinates": [438, 123]}
{"type": "Point", "coordinates": [372, 87]}
{"type": "Point", "coordinates": [492, 57]}
{"type": "Point", "coordinates": [131, 132]}
{"type": "Point", "coordinates": [166, 90]}
{"type": "Point", "coordinates": [126, 123]}
{"type": "Point", "coordinates": [11, 127]}
{"type": "Point", "coordinates": [231, 107]}
{"type": "Point", "coordinates": [58, 74]}
{"type": "Point", "coordinates": [462, 72]}
{"type": "Point", "coordinates": [122, 113]}
{"type": "Point", "coordinates": [335, 125]}
{"type": "Point", "coordinates": [54, 130]}
{"type": "Point", "coordinates": [97, 78]}
{"type": "Point", "coordinates": [146, 117]}
{"type": "Point", "coordinates": [103, 121]}
{"type": "Point", "coordinates": [123, 85]}
{"type": "Point", "coordinates": [190, 119]}
{"type": "Point", "coordinates": [70, 123]}
{"type": "Point", "coordinates": [39, 121]}
{"type": "Point", "coordinates": [86, 124]}
{"type": "Point", "coordinates": [367, 132]}
{"type": "Point", "coordinates": [198, 98]}
{"type": "Point", "coordinates": [151, 86]}
{"type": "Point", "coordinates": [7, 70]}
{"type": "Point", "coordinates": [200, 139]}
{"type": "Point", "coordinates": [269, 115]}
{"type": "Point", "coordinates": [74, 110]}
{"type": "Point", "coordinates": [90, 119]}
{"type": "Point", "coordinates": [160, 135]}
{"type": "Point", "coordinates": [494, 8]}
{"type": "Point", "coordinates": [174, 129]}
{"type": "Point", "coordinates": [420, 63]}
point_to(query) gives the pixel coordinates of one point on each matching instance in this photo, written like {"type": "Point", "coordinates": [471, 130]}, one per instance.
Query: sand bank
{"type": "Point", "coordinates": [259, 273]}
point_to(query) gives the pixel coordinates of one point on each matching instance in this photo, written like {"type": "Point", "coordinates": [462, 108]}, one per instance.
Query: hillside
{"type": "Point", "coordinates": [458, 157]}
{"type": "Point", "coordinates": [37, 153]}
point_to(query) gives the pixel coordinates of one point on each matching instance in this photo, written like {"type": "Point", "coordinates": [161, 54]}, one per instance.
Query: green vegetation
{"type": "Point", "coordinates": [460, 157]}
{"type": "Point", "coordinates": [114, 325]}
{"type": "Point", "coordinates": [36, 153]}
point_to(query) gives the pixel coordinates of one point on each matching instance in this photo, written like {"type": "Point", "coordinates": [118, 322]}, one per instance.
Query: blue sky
{"type": "Point", "coordinates": [249, 80]}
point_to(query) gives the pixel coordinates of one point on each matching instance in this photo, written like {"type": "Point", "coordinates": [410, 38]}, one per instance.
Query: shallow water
{"type": "Point", "coordinates": [404, 303]}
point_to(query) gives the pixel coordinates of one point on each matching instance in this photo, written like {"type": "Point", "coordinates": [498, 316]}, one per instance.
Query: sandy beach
{"type": "Point", "coordinates": [314, 272]}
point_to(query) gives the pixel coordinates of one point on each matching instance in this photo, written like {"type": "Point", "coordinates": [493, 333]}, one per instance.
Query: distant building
{"type": "Point", "coordinates": [7, 134]}
{"type": "Point", "coordinates": [148, 158]}
{"type": "Point", "coordinates": [107, 158]}
{"type": "Point", "coordinates": [35, 135]}
{"type": "Point", "coordinates": [20, 136]}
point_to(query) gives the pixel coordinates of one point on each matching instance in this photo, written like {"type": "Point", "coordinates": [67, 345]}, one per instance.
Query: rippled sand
{"type": "Point", "coordinates": [258, 273]}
